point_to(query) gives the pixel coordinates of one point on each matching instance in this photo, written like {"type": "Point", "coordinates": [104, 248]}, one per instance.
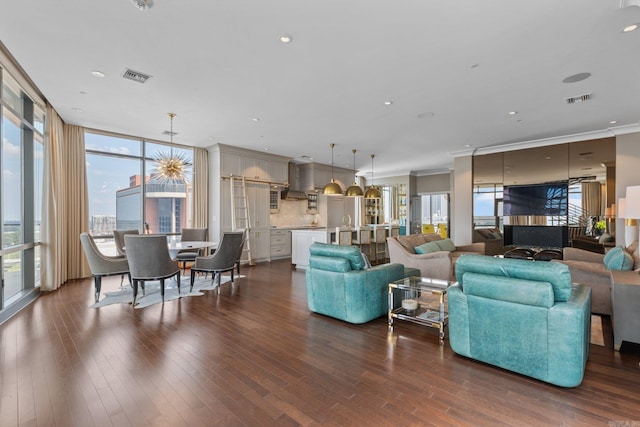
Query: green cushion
{"type": "Point", "coordinates": [427, 248]}
{"type": "Point", "coordinates": [618, 259]}
{"type": "Point", "coordinates": [446, 245]}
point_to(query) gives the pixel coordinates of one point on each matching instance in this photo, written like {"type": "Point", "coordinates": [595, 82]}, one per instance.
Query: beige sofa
{"type": "Point", "coordinates": [436, 265]}
{"type": "Point", "coordinates": [492, 239]}
{"type": "Point", "coordinates": [588, 268]}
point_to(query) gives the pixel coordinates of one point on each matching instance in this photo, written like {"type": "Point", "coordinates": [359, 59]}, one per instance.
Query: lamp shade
{"type": "Point", "coordinates": [354, 189]}
{"type": "Point", "coordinates": [332, 188]}
{"type": "Point", "coordinates": [372, 191]}
{"type": "Point", "coordinates": [622, 203]}
{"type": "Point", "coordinates": [632, 208]}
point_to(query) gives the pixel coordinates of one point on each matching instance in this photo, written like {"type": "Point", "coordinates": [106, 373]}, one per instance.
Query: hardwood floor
{"type": "Point", "coordinates": [256, 356]}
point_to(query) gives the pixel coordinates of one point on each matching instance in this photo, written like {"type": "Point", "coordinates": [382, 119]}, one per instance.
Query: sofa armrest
{"type": "Point", "coordinates": [575, 254]}
{"type": "Point", "coordinates": [473, 247]}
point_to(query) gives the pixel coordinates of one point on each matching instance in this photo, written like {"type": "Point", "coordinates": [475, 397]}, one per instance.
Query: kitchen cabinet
{"type": "Point", "coordinates": [373, 211]}
{"type": "Point", "coordinates": [256, 169]}
{"type": "Point", "coordinates": [279, 171]}
{"type": "Point", "coordinates": [274, 200]}
{"type": "Point", "coordinates": [258, 199]}
{"type": "Point", "coordinates": [260, 244]}
{"type": "Point", "coordinates": [231, 164]}
{"type": "Point", "coordinates": [280, 244]}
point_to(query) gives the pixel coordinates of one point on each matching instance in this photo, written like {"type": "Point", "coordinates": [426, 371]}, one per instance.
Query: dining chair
{"type": "Point", "coordinates": [100, 264]}
{"type": "Point", "coordinates": [239, 253]}
{"type": "Point", "coordinates": [190, 235]}
{"type": "Point", "coordinates": [118, 238]}
{"type": "Point", "coordinates": [222, 260]}
{"type": "Point", "coordinates": [149, 259]}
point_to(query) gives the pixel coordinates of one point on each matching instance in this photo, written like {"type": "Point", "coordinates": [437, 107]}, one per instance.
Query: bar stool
{"type": "Point", "coordinates": [379, 244]}
{"type": "Point", "coordinates": [394, 231]}
{"type": "Point", "coordinates": [363, 238]}
{"type": "Point", "coordinates": [343, 236]}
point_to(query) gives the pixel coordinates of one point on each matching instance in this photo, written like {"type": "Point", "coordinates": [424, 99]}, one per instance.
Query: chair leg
{"type": "Point", "coordinates": [97, 281]}
{"type": "Point", "coordinates": [178, 282]}
{"type": "Point", "coordinates": [135, 292]}
{"type": "Point", "coordinates": [217, 275]}
{"type": "Point", "coordinates": [162, 289]}
{"type": "Point", "coordinates": [193, 276]}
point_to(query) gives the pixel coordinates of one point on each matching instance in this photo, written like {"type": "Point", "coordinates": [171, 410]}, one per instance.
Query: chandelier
{"type": "Point", "coordinates": [174, 168]}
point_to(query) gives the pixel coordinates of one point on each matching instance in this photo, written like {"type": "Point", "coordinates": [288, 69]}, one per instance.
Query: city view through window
{"type": "Point", "coordinates": [126, 192]}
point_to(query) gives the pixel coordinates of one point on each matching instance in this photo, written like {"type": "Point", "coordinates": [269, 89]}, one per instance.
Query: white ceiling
{"type": "Point", "coordinates": [453, 70]}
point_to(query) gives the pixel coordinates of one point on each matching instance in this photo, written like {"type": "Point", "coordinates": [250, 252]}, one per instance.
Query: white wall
{"type": "Point", "coordinates": [462, 201]}
{"type": "Point", "coordinates": [627, 164]}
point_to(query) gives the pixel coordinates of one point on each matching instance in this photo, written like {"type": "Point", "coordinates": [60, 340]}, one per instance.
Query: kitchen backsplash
{"type": "Point", "coordinates": [293, 213]}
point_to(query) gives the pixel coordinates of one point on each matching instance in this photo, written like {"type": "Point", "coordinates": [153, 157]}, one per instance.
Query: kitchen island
{"type": "Point", "coordinates": [301, 239]}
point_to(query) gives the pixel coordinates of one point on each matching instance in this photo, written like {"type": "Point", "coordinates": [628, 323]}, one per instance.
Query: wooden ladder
{"type": "Point", "coordinates": [240, 219]}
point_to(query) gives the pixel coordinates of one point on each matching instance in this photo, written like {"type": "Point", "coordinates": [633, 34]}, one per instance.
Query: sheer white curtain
{"type": "Point", "coordinates": [200, 214]}
{"type": "Point", "coordinates": [65, 204]}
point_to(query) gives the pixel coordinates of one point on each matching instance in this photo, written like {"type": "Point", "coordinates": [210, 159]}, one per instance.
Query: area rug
{"type": "Point", "coordinates": [152, 292]}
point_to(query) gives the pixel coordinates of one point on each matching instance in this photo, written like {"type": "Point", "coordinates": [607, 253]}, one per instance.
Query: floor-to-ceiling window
{"type": "Point", "coordinates": [21, 148]}
{"type": "Point", "coordinates": [126, 192]}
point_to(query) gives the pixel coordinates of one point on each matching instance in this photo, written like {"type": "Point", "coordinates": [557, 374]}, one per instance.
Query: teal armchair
{"type": "Point", "coordinates": [339, 284]}
{"type": "Point", "coordinates": [524, 316]}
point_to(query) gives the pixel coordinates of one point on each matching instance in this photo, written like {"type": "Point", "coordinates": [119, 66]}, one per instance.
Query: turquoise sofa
{"type": "Point", "coordinates": [340, 285]}
{"type": "Point", "coordinates": [524, 316]}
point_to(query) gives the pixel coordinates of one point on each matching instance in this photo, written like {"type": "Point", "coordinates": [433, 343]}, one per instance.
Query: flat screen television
{"type": "Point", "coordinates": [540, 236]}
{"type": "Point", "coordinates": [542, 199]}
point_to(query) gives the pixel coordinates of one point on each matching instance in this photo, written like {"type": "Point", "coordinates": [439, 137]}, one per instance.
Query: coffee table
{"type": "Point", "coordinates": [422, 302]}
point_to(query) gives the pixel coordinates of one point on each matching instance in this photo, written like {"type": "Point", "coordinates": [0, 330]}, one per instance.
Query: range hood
{"type": "Point", "coordinates": [293, 192]}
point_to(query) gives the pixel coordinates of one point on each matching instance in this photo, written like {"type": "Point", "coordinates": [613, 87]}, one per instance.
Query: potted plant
{"type": "Point", "coordinates": [600, 227]}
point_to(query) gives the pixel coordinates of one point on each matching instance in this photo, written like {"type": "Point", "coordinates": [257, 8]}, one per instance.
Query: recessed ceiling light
{"type": "Point", "coordinates": [388, 102]}
{"type": "Point", "coordinates": [83, 92]}
{"type": "Point", "coordinates": [426, 115]}
{"type": "Point", "coordinates": [96, 73]}
{"type": "Point", "coordinates": [468, 145]}
{"type": "Point", "coordinates": [630, 28]}
{"type": "Point", "coordinates": [285, 38]}
{"type": "Point", "coordinates": [613, 122]}
{"type": "Point", "coordinates": [512, 113]}
{"type": "Point", "coordinates": [256, 119]}
{"type": "Point", "coordinates": [266, 148]}
{"type": "Point", "coordinates": [77, 110]}
{"type": "Point", "coordinates": [576, 78]}
{"type": "Point", "coordinates": [475, 65]}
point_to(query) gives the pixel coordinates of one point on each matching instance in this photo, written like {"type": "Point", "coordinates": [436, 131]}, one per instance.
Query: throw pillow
{"type": "Point", "coordinates": [427, 248]}
{"type": "Point", "coordinates": [446, 245]}
{"type": "Point", "coordinates": [367, 263]}
{"type": "Point", "coordinates": [634, 251]}
{"type": "Point", "coordinates": [618, 259]}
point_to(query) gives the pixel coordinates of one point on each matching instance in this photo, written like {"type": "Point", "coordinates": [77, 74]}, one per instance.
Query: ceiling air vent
{"type": "Point", "coordinates": [136, 76]}
{"type": "Point", "coordinates": [579, 98]}
{"type": "Point", "coordinates": [169, 133]}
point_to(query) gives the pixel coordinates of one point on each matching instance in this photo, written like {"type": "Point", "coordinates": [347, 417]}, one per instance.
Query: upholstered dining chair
{"type": "Point", "coordinates": [118, 238]}
{"type": "Point", "coordinates": [190, 235]}
{"type": "Point", "coordinates": [101, 264]}
{"type": "Point", "coordinates": [149, 259]}
{"type": "Point", "coordinates": [222, 260]}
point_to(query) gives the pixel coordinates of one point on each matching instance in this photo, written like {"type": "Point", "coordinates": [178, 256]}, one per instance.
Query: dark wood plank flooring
{"type": "Point", "coordinates": [256, 356]}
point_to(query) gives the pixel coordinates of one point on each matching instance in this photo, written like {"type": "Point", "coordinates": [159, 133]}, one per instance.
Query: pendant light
{"type": "Point", "coordinates": [354, 189]}
{"type": "Point", "coordinates": [171, 167]}
{"type": "Point", "coordinates": [332, 188]}
{"type": "Point", "coordinates": [372, 191]}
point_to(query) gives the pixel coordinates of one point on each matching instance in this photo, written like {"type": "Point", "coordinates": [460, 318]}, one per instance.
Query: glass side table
{"type": "Point", "coordinates": [423, 302]}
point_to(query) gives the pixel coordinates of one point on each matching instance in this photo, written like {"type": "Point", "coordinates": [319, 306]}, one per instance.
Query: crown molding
{"type": "Point", "coordinates": [603, 133]}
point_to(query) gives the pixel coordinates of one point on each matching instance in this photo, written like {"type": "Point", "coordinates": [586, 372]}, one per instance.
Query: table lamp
{"type": "Point", "coordinates": [632, 212]}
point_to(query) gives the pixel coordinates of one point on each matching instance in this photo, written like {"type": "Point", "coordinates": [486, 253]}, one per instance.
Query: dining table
{"type": "Point", "coordinates": [175, 247]}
